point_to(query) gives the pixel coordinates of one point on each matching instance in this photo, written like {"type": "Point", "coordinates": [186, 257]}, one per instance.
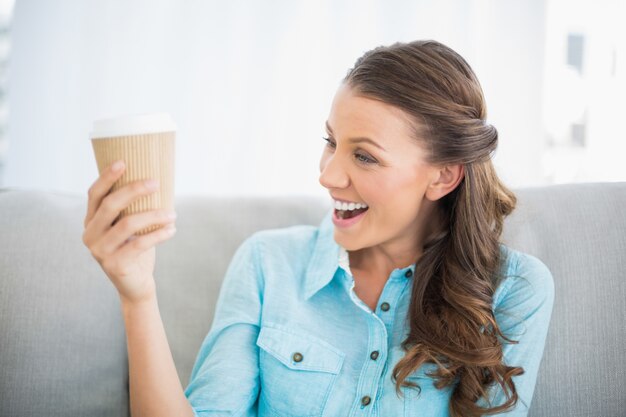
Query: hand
{"type": "Point", "coordinates": [127, 260]}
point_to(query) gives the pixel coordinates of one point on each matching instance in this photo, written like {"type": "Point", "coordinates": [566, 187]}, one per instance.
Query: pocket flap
{"type": "Point", "coordinates": [315, 353]}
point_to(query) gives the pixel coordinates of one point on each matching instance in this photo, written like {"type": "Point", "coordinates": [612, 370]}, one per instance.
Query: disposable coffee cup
{"type": "Point", "coordinates": [145, 142]}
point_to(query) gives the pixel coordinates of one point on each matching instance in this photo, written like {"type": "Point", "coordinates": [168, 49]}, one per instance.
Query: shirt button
{"type": "Point", "coordinates": [366, 400]}
{"type": "Point", "coordinates": [408, 274]}
{"type": "Point", "coordinates": [374, 355]}
{"type": "Point", "coordinates": [297, 357]}
{"type": "Point", "coordinates": [384, 306]}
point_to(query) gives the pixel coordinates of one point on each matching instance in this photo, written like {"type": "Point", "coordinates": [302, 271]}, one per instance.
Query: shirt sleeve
{"type": "Point", "coordinates": [224, 380]}
{"type": "Point", "coordinates": [523, 311]}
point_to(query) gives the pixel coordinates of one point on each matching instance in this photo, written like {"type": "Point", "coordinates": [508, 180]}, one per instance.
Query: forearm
{"type": "Point", "coordinates": [155, 389]}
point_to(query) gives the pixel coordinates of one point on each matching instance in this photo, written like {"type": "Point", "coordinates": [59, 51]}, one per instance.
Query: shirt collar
{"type": "Point", "coordinates": [325, 259]}
{"type": "Point", "coordinates": [328, 256]}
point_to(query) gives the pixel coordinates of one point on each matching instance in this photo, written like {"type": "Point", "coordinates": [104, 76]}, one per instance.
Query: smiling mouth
{"type": "Point", "coordinates": [348, 214]}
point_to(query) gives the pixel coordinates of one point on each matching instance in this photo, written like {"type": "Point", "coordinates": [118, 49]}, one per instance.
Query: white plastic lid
{"type": "Point", "coordinates": [132, 124]}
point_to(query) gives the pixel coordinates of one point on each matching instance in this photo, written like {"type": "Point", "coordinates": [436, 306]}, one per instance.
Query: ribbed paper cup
{"type": "Point", "coordinates": [146, 145]}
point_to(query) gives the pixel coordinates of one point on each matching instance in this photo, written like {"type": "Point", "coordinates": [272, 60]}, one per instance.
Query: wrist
{"type": "Point", "coordinates": [138, 303]}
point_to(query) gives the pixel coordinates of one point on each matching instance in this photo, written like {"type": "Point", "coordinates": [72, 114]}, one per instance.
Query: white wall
{"type": "Point", "coordinates": [249, 83]}
{"type": "Point", "coordinates": [594, 95]}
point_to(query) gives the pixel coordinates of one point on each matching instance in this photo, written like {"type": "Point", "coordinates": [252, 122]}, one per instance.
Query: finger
{"type": "Point", "coordinates": [115, 202]}
{"type": "Point", "coordinates": [139, 244]}
{"type": "Point", "coordinates": [101, 187]}
{"type": "Point", "coordinates": [126, 228]}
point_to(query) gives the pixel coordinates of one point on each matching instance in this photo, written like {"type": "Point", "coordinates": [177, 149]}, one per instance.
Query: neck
{"type": "Point", "coordinates": [384, 258]}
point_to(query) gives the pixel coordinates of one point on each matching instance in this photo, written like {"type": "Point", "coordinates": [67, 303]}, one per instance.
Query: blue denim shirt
{"type": "Point", "coordinates": [290, 337]}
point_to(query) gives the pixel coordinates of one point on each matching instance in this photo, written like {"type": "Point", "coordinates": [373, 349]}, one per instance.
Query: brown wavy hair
{"type": "Point", "coordinates": [450, 316]}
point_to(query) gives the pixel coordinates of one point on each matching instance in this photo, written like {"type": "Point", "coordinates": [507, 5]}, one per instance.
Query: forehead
{"type": "Point", "coordinates": [355, 115]}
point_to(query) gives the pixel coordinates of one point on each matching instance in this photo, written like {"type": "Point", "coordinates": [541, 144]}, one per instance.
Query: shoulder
{"type": "Point", "coordinates": [525, 280]}
{"type": "Point", "coordinates": [267, 254]}
{"type": "Point", "coordinates": [286, 238]}
{"type": "Point", "coordinates": [285, 246]}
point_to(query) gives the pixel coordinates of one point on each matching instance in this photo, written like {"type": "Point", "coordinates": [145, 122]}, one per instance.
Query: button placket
{"type": "Point", "coordinates": [373, 370]}
{"type": "Point", "coordinates": [391, 297]}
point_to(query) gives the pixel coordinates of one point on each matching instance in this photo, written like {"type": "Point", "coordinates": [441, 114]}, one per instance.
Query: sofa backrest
{"type": "Point", "coordinates": [63, 348]}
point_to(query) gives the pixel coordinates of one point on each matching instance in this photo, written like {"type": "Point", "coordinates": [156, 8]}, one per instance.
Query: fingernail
{"type": "Point", "coordinates": [152, 184]}
{"type": "Point", "coordinates": [117, 166]}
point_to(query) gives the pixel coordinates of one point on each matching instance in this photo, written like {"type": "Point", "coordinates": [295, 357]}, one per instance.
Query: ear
{"type": "Point", "coordinates": [445, 180]}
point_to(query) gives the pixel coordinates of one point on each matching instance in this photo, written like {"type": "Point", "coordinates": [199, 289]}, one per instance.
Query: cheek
{"type": "Point", "coordinates": [396, 192]}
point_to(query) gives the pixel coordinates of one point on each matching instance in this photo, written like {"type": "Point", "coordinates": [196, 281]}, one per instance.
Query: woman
{"type": "Point", "coordinates": [402, 302]}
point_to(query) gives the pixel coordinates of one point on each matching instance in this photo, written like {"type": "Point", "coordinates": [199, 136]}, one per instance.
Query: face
{"type": "Point", "coordinates": [392, 181]}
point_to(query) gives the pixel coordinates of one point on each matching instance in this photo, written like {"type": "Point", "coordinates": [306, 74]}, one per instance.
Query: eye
{"type": "Point", "coordinates": [329, 143]}
{"type": "Point", "coordinates": [360, 157]}
{"type": "Point", "coordinates": [364, 159]}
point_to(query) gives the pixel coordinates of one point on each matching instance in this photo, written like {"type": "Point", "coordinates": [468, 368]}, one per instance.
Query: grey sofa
{"type": "Point", "coordinates": [62, 341]}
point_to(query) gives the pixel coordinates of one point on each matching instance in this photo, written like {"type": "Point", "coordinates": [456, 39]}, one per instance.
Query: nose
{"type": "Point", "coordinates": [332, 174]}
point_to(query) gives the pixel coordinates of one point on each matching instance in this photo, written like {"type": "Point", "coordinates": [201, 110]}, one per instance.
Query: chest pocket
{"type": "Point", "coordinates": [297, 371]}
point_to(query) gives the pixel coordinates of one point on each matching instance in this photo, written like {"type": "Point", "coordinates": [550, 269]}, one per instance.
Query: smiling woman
{"type": "Point", "coordinates": [403, 299]}
{"type": "Point", "coordinates": [436, 200]}
{"type": "Point", "coordinates": [403, 302]}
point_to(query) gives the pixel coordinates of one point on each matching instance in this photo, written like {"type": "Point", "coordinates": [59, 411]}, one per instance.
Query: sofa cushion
{"type": "Point", "coordinates": [63, 346]}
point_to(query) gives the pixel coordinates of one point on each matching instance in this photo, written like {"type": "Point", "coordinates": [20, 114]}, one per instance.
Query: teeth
{"type": "Point", "coordinates": [349, 206]}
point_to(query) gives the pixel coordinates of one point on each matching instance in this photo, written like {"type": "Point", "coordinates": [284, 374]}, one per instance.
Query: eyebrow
{"type": "Point", "coordinates": [359, 139]}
